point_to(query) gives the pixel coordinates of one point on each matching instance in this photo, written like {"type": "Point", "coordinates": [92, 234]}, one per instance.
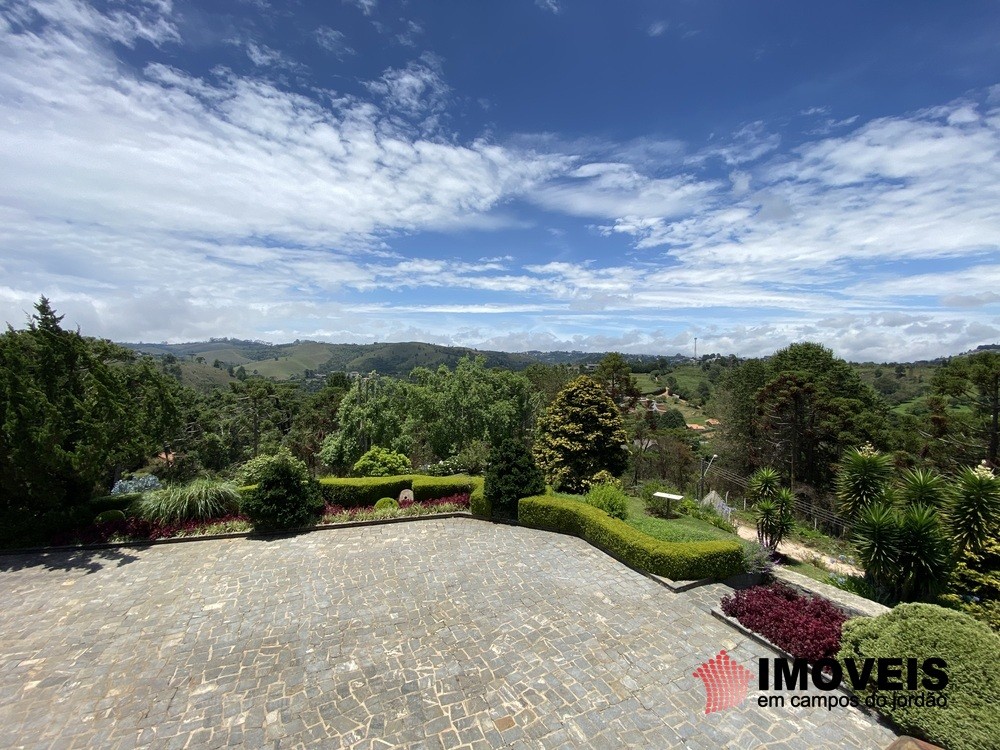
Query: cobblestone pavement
{"type": "Point", "coordinates": [443, 633]}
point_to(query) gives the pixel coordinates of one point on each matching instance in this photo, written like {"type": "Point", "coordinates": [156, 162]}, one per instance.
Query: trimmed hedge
{"type": "Point", "coordinates": [970, 721]}
{"type": "Point", "coordinates": [431, 488]}
{"type": "Point", "coordinates": [114, 502]}
{"type": "Point", "coordinates": [679, 561]}
{"type": "Point", "coordinates": [360, 492]}
{"type": "Point", "coordinates": [478, 503]}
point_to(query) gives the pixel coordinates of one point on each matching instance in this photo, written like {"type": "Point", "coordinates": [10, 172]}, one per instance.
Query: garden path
{"type": "Point", "coordinates": [803, 553]}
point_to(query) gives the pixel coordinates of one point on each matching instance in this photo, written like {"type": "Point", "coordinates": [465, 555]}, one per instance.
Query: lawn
{"type": "Point", "coordinates": [680, 529]}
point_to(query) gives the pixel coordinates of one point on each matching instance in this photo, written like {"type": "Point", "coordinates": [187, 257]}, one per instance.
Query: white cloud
{"type": "Point", "coordinates": [550, 5]}
{"type": "Point", "coordinates": [656, 28]}
{"type": "Point", "coordinates": [157, 204]}
{"type": "Point", "coordinates": [365, 6]}
{"type": "Point", "coordinates": [333, 41]}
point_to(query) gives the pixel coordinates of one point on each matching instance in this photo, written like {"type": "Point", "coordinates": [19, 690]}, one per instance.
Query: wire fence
{"type": "Point", "coordinates": [806, 507]}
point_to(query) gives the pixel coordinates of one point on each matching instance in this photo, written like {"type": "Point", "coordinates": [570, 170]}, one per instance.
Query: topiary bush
{"type": "Point", "coordinates": [283, 498]}
{"type": "Point", "coordinates": [608, 498]}
{"type": "Point", "coordinates": [381, 462]}
{"type": "Point", "coordinates": [387, 503]}
{"type": "Point", "coordinates": [110, 516]}
{"type": "Point", "coordinates": [970, 721]}
{"type": "Point", "coordinates": [512, 474]}
{"type": "Point", "coordinates": [676, 560]}
{"type": "Point", "coordinates": [806, 627]}
{"type": "Point", "coordinates": [199, 500]}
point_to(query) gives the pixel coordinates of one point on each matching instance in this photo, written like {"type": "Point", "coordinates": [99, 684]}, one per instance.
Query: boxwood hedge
{"type": "Point", "coordinates": [675, 560]}
{"type": "Point", "coordinates": [431, 488]}
{"type": "Point", "coordinates": [359, 492]}
{"type": "Point", "coordinates": [970, 721]}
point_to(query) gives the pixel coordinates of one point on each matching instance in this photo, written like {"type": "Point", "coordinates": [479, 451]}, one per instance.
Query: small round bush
{"type": "Point", "coordinates": [387, 502]}
{"type": "Point", "coordinates": [200, 500]}
{"type": "Point", "coordinates": [608, 498]}
{"type": "Point", "coordinates": [110, 516]}
{"type": "Point", "coordinates": [969, 647]}
{"type": "Point", "coordinates": [252, 471]}
{"type": "Point", "coordinates": [381, 462]}
{"type": "Point", "coordinates": [282, 499]}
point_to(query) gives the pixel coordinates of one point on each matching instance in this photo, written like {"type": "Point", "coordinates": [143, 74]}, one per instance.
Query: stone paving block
{"type": "Point", "coordinates": [421, 635]}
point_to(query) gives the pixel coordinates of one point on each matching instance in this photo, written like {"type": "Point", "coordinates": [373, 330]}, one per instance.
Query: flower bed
{"type": "Point", "coordinates": [807, 627]}
{"type": "Point", "coordinates": [139, 530]}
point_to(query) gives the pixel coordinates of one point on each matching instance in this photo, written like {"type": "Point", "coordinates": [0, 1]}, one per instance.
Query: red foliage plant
{"type": "Point", "coordinates": [806, 627]}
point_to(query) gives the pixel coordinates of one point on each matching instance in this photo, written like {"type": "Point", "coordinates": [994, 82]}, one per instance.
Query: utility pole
{"type": "Point", "coordinates": [704, 471]}
{"type": "Point", "coordinates": [695, 348]}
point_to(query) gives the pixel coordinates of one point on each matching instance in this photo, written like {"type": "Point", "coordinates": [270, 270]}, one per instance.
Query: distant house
{"type": "Point", "coordinates": [712, 422]}
{"type": "Point", "coordinates": [697, 427]}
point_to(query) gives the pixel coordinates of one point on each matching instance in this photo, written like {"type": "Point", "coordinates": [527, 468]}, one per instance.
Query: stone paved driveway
{"type": "Point", "coordinates": [443, 633]}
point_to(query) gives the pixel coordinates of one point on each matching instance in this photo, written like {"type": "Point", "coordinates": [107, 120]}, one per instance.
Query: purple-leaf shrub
{"type": "Point", "coordinates": [805, 627]}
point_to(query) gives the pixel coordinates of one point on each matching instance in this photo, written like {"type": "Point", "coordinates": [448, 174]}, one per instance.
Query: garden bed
{"type": "Point", "coordinates": [139, 531]}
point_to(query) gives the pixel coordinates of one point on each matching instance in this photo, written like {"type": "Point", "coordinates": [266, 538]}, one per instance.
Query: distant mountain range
{"type": "Point", "coordinates": [305, 359]}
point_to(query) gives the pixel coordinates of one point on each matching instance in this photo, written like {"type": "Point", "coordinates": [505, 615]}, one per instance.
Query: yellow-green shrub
{"type": "Point", "coordinates": [676, 560]}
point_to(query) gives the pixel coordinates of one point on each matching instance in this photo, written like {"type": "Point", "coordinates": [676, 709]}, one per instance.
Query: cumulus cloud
{"type": "Point", "coordinates": [154, 203]}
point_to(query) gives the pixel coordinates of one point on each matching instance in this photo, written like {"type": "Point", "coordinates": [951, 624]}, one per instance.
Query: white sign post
{"type": "Point", "coordinates": [669, 498]}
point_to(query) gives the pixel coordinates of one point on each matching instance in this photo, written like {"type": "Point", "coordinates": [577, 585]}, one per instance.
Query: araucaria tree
{"type": "Point", "coordinates": [580, 434]}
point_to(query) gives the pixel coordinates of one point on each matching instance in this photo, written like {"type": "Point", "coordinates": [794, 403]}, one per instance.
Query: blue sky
{"type": "Point", "coordinates": [528, 174]}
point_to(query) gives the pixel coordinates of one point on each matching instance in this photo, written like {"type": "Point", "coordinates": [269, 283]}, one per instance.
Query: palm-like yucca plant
{"type": "Point", "coordinates": [877, 536]}
{"type": "Point", "coordinates": [863, 480]}
{"type": "Point", "coordinates": [763, 485]}
{"type": "Point", "coordinates": [924, 559]}
{"type": "Point", "coordinates": [974, 511]}
{"type": "Point", "coordinates": [774, 518]}
{"type": "Point", "coordinates": [922, 487]}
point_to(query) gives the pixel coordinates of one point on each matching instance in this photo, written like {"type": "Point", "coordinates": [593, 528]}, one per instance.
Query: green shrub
{"type": "Point", "coordinates": [282, 499]}
{"type": "Point", "coordinates": [477, 501]}
{"type": "Point", "coordinates": [511, 475]}
{"type": "Point", "coordinates": [432, 488]}
{"type": "Point", "coordinates": [114, 502]}
{"type": "Point", "coordinates": [109, 516]}
{"type": "Point", "coordinates": [250, 472]}
{"type": "Point", "coordinates": [357, 492]}
{"type": "Point", "coordinates": [387, 503]}
{"type": "Point", "coordinates": [381, 462]}
{"type": "Point", "coordinates": [676, 560]}
{"type": "Point", "coordinates": [608, 498]}
{"type": "Point", "coordinates": [199, 500]}
{"type": "Point", "coordinates": [605, 477]}
{"type": "Point", "coordinates": [970, 721]}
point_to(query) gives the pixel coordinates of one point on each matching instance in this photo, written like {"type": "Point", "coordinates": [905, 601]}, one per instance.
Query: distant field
{"type": "Point", "coordinates": [304, 357]}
